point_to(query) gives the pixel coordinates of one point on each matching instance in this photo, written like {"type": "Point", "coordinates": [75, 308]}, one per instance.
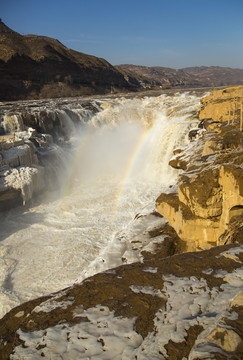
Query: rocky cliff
{"type": "Point", "coordinates": [175, 304]}
{"type": "Point", "coordinates": [209, 200]}
{"type": "Point", "coordinates": [33, 67]}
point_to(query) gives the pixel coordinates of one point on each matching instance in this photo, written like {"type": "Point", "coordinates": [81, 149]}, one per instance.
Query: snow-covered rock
{"type": "Point", "coordinates": [182, 307]}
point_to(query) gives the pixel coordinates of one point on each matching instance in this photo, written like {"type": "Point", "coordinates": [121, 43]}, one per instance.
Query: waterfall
{"type": "Point", "coordinates": [135, 132]}
{"type": "Point", "coordinates": [13, 123]}
{"type": "Point", "coordinates": [58, 120]}
{"type": "Point", "coordinates": [116, 164]}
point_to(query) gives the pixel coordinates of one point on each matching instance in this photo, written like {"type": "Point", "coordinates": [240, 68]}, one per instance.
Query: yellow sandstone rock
{"type": "Point", "coordinates": [198, 233]}
{"type": "Point", "coordinates": [231, 180]}
{"type": "Point", "coordinates": [226, 339]}
{"type": "Point", "coordinates": [222, 105]}
{"type": "Point", "coordinates": [208, 208]}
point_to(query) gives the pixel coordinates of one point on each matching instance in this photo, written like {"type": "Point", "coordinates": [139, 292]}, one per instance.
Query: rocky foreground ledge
{"type": "Point", "coordinates": [172, 305]}
{"type": "Point", "coordinates": [185, 306]}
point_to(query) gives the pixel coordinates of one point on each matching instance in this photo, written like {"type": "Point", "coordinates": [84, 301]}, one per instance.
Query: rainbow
{"type": "Point", "coordinates": [131, 164]}
{"type": "Point", "coordinates": [128, 169]}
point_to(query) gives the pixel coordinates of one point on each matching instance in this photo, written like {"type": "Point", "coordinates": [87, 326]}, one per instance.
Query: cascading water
{"type": "Point", "coordinates": [118, 166]}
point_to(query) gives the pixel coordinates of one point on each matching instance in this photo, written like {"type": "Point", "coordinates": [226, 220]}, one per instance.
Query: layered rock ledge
{"type": "Point", "coordinates": [168, 306]}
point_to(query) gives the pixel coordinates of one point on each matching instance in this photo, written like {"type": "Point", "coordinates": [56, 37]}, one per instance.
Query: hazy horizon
{"type": "Point", "coordinates": [175, 34]}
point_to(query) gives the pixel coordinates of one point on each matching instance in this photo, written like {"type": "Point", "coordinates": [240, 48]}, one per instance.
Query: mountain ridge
{"type": "Point", "coordinates": [35, 66]}
{"type": "Point", "coordinates": [205, 76]}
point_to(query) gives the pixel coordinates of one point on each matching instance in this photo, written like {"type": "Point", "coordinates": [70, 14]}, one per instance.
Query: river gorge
{"type": "Point", "coordinates": [99, 243]}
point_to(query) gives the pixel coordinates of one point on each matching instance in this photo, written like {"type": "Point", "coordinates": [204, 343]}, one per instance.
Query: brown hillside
{"type": "Point", "coordinates": [34, 66]}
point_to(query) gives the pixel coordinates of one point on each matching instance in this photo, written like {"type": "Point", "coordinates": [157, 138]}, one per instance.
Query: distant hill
{"type": "Point", "coordinates": [156, 76]}
{"type": "Point", "coordinates": [215, 75]}
{"type": "Point", "coordinates": [153, 77]}
{"type": "Point", "coordinates": [34, 66]}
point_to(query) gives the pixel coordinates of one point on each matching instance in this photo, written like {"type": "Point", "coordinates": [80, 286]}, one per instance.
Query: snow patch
{"type": "Point", "coordinates": [207, 271]}
{"type": "Point", "coordinates": [232, 253]}
{"type": "Point", "coordinates": [190, 302]}
{"type": "Point", "coordinates": [52, 304]}
{"type": "Point", "coordinates": [150, 290]}
{"type": "Point", "coordinates": [151, 270]}
{"type": "Point", "coordinates": [101, 336]}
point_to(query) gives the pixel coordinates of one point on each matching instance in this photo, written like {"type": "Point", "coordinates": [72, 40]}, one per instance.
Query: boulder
{"type": "Point", "coordinates": [212, 146]}
{"type": "Point", "coordinates": [191, 155]}
{"type": "Point", "coordinates": [207, 199]}
{"type": "Point", "coordinates": [234, 231]}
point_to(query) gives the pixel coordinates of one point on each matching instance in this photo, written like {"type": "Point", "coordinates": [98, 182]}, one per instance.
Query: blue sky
{"type": "Point", "coordinates": [173, 33]}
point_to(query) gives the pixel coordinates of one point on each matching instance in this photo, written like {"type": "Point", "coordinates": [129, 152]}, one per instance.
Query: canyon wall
{"type": "Point", "coordinates": [207, 209]}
